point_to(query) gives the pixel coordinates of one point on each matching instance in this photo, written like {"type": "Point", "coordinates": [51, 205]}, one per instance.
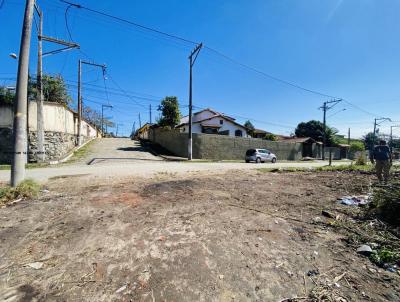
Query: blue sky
{"type": "Point", "coordinates": [348, 49]}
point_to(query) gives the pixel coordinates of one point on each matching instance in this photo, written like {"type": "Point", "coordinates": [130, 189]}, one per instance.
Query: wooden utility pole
{"type": "Point", "coordinates": [20, 142]}
{"type": "Point", "coordinates": [80, 107]}
{"type": "Point", "coordinates": [192, 60]}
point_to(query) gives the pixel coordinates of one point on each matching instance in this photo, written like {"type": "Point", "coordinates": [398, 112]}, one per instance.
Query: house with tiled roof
{"type": "Point", "coordinates": [209, 121]}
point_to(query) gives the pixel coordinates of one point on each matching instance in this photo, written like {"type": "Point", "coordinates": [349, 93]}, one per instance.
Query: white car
{"type": "Point", "coordinates": [260, 156]}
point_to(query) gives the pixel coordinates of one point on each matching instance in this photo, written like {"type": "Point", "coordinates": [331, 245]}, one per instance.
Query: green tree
{"type": "Point", "coordinates": [170, 114]}
{"type": "Point", "coordinates": [6, 96]}
{"type": "Point", "coordinates": [315, 130]}
{"type": "Point", "coordinates": [370, 140]}
{"type": "Point", "coordinates": [54, 90]}
{"type": "Point", "coordinates": [356, 146]}
{"type": "Point", "coordinates": [250, 127]}
{"type": "Point", "coordinates": [270, 137]}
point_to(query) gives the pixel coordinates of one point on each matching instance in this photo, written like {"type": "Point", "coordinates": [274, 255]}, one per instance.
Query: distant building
{"type": "Point", "coordinates": [209, 121]}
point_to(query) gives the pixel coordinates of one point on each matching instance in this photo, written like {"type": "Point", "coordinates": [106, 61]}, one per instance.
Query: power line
{"type": "Point", "coordinates": [226, 57]}
{"type": "Point", "coordinates": [131, 23]}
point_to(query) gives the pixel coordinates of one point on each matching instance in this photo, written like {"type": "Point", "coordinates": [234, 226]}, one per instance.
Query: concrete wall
{"type": "Point", "coordinates": [172, 140]}
{"type": "Point", "coordinates": [60, 125]}
{"type": "Point", "coordinates": [208, 146]}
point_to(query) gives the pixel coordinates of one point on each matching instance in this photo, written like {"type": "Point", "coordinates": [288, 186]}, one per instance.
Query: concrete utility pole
{"type": "Point", "coordinates": [150, 113]}
{"type": "Point", "coordinates": [325, 108]}
{"type": "Point", "coordinates": [192, 60]}
{"type": "Point", "coordinates": [348, 137]}
{"type": "Point", "coordinates": [102, 116]}
{"type": "Point", "coordinates": [21, 100]}
{"type": "Point", "coordinates": [378, 122]}
{"type": "Point", "coordinates": [39, 97]}
{"type": "Point", "coordinates": [80, 107]}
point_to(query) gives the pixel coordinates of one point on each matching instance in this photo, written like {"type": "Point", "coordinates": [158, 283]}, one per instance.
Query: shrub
{"type": "Point", "coordinates": [360, 160]}
{"type": "Point", "coordinates": [386, 203]}
{"type": "Point", "coordinates": [356, 146]}
{"type": "Point", "coordinates": [26, 189]}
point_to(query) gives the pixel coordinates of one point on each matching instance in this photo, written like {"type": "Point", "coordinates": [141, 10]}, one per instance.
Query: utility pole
{"type": "Point", "coordinates": [21, 99]}
{"type": "Point", "coordinates": [140, 122]}
{"type": "Point", "coordinates": [80, 107]}
{"type": "Point", "coordinates": [192, 60]}
{"type": "Point", "coordinates": [39, 97]}
{"type": "Point", "coordinates": [391, 135]}
{"type": "Point", "coordinates": [348, 137]}
{"type": "Point", "coordinates": [102, 116]}
{"type": "Point", "coordinates": [380, 120]}
{"type": "Point", "coordinates": [325, 107]}
{"type": "Point", "coordinates": [133, 130]}
{"type": "Point", "coordinates": [150, 113]}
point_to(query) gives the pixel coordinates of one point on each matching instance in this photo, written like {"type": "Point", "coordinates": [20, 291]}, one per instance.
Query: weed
{"type": "Point", "coordinates": [360, 160]}
{"type": "Point", "coordinates": [384, 256]}
{"type": "Point", "coordinates": [386, 203]}
{"type": "Point", "coordinates": [26, 189]}
{"type": "Point", "coordinates": [81, 152]}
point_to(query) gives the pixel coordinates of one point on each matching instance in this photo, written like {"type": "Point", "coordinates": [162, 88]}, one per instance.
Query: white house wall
{"type": "Point", "coordinates": [227, 125]}
{"type": "Point", "coordinates": [202, 115]}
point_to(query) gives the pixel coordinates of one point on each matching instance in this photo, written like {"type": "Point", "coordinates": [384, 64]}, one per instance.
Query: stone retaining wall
{"type": "Point", "coordinates": [5, 145]}
{"type": "Point", "coordinates": [220, 147]}
{"type": "Point", "coordinates": [57, 145]}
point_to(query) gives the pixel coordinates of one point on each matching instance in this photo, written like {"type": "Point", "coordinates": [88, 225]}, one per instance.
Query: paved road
{"type": "Point", "coordinates": [116, 150]}
{"type": "Point", "coordinates": [122, 157]}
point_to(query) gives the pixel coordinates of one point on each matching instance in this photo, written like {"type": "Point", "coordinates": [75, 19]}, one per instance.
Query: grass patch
{"type": "Point", "coordinates": [284, 170]}
{"type": "Point", "coordinates": [26, 189]}
{"type": "Point", "coordinates": [27, 166]}
{"type": "Point", "coordinates": [81, 152]}
{"type": "Point", "coordinates": [350, 168]}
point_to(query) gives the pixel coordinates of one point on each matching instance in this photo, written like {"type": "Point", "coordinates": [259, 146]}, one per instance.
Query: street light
{"type": "Point", "coordinates": [13, 55]}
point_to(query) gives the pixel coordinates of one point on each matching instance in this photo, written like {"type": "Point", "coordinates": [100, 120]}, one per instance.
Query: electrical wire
{"type": "Point", "coordinates": [131, 23]}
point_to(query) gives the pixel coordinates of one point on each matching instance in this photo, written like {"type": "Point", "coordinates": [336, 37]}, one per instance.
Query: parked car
{"type": "Point", "coordinates": [260, 155]}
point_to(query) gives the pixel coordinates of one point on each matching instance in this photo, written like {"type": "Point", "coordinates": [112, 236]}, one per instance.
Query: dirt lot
{"type": "Point", "coordinates": [236, 236]}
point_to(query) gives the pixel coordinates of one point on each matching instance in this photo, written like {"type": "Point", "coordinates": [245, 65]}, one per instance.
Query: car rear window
{"type": "Point", "coordinates": [250, 152]}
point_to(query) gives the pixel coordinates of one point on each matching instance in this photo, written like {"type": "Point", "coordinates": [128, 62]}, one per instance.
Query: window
{"type": "Point", "coordinates": [221, 122]}
{"type": "Point", "coordinates": [238, 133]}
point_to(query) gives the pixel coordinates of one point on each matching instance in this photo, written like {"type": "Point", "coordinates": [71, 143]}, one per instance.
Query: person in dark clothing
{"type": "Point", "coordinates": [382, 158]}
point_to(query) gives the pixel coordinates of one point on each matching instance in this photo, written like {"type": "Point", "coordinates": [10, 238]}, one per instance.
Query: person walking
{"type": "Point", "coordinates": [382, 158]}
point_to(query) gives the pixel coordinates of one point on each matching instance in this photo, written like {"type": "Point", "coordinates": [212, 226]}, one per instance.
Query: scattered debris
{"type": "Point", "coordinates": [35, 265]}
{"type": "Point", "coordinates": [327, 214]}
{"type": "Point", "coordinates": [355, 200]}
{"type": "Point", "coordinates": [365, 250]}
{"type": "Point", "coordinates": [313, 272]}
{"type": "Point", "coordinates": [121, 289]}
